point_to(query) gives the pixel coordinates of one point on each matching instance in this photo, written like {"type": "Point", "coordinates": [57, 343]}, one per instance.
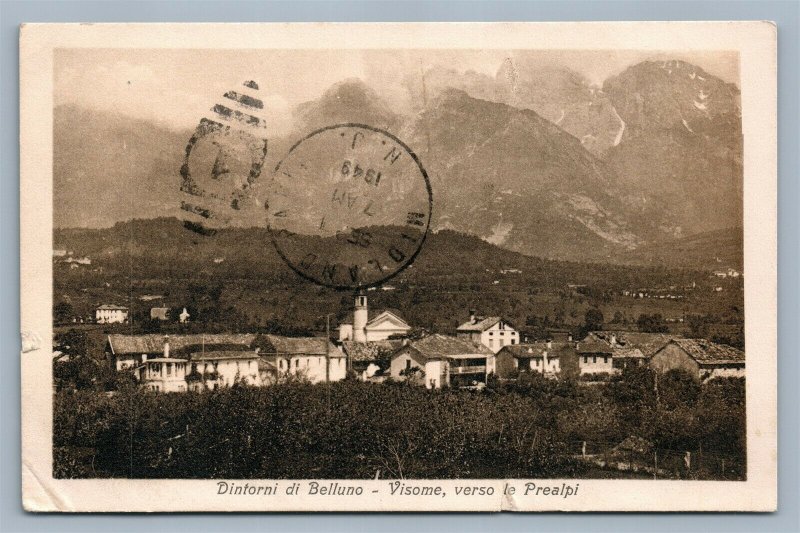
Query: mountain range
{"type": "Point", "coordinates": [534, 160]}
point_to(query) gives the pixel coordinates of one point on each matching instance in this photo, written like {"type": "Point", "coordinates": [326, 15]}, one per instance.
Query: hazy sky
{"type": "Point", "coordinates": [177, 87]}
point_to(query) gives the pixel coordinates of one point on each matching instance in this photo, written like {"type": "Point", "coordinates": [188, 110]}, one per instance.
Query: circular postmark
{"type": "Point", "coordinates": [222, 161]}
{"type": "Point", "coordinates": [349, 206]}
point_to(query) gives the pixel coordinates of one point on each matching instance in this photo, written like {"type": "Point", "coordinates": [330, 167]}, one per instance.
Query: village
{"type": "Point", "coordinates": [379, 346]}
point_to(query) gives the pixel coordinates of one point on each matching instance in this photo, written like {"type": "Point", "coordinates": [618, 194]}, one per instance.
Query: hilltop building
{"type": "Point", "coordinates": [111, 314]}
{"type": "Point", "coordinates": [159, 313]}
{"type": "Point", "coordinates": [493, 332]}
{"type": "Point", "coordinates": [378, 328]}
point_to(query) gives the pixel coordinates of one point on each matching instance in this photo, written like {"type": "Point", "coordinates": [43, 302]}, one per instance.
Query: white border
{"type": "Point", "coordinates": [756, 44]}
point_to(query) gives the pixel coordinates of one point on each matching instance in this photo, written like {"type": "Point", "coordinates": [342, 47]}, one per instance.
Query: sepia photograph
{"type": "Point", "coordinates": [399, 265]}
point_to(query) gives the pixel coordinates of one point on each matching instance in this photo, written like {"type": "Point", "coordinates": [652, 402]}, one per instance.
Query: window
{"type": "Point", "coordinates": [605, 360]}
{"type": "Point", "coordinates": [491, 343]}
{"type": "Point", "coordinates": [585, 359]}
{"type": "Point", "coordinates": [594, 359]}
{"type": "Point", "coordinates": [513, 341]}
{"type": "Point", "coordinates": [169, 369]}
{"type": "Point", "coordinates": [408, 364]}
{"type": "Point", "coordinates": [491, 333]}
{"type": "Point", "coordinates": [297, 363]}
{"type": "Point", "coordinates": [502, 333]}
{"type": "Point", "coordinates": [537, 362]}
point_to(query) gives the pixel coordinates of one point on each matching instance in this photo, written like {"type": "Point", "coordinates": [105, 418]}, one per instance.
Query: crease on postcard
{"type": "Point", "coordinates": [37, 494]}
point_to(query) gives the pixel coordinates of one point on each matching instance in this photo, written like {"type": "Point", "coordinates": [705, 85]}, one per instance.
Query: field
{"type": "Point", "coordinates": [531, 429]}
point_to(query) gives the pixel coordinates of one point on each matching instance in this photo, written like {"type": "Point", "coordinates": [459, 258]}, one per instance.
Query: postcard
{"type": "Point", "coordinates": [399, 267]}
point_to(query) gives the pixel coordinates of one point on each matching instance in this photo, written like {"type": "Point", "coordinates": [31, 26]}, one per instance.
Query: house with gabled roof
{"type": "Point", "coordinates": [612, 351]}
{"type": "Point", "coordinates": [545, 357]}
{"type": "Point", "coordinates": [494, 332]}
{"type": "Point", "coordinates": [701, 358]}
{"type": "Point", "coordinates": [437, 361]}
{"type": "Point", "coordinates": [314, 358]}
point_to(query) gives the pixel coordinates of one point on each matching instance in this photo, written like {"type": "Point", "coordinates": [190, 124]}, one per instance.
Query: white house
{"type": "Point", "coordinates": [493, 332]}
{"type": "Point", "coordinates": [111, 314]}
{"type": "Point", "coordinates": [222, 368]}
{"type": "Point", "coordinates": [163, 374]}
{"type": "Point", "coordinates": [378, 328]}
{"type": "Point", "coordinates": [313, 358]}
{"type": "Point", "coordinates": [436, 361]}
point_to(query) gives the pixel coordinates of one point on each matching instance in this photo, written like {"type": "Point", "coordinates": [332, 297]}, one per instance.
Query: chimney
{"type": "Point", "coordinates": [144, 357]}
{"type": "Point", "coordinates": [613, 340]}
{"type": "Point", "coordinates": [569, 337]}
{"type": "Point", "coordinates": [166, 346]}
{"type": "Point", "coordinates": [549, 343]}
{"type": "Point", "coordinates": [472, 319]}
{"type": "Point", "coordinates": [360, 316]}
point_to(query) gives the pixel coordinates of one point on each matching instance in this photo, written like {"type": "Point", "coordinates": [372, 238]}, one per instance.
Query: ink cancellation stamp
{"type": "Point", "coordinates": [349, 206]}
{"type": "Point", "coordinates": [223, 161]}
{"type": "Point", "coordinates": [591, 325]}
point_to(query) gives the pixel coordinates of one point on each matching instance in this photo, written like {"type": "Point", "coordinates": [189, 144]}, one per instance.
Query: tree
{"type": "Point", "coordinates": [698, 326]}
{"type": "Point", "coordinates": [73, 342]}
{"type": "Point", "coordinates": [63, 312]}
{"type": "Point", "coordinates": [593, 319]}
{"type": "Point", "coordinates": [652, 323]}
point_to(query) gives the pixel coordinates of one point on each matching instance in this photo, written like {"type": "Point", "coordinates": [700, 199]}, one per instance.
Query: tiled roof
{"type": "Point", "coordinates": [154, 343]}
{"type": "Point", "coordinates": [369, 351]}
{"type": "Point", "coordinates": [628, 353]}
{"type": "Point", "coordinates": [704, 351]}
{"type": "Point", "coordinates": [648, 343]}
{"type": "Point", "coordinates": [441, 346]}
{"type": "Point", "coordinates": [300, 346]}
{"type": "Point", "coordinates": [537, 349]}
{"type": "Point", "coordinates": [112, 307]}
{"type": "Point", "coordinates": [480, 324]}
{"type": "Point", "coordinates": [216, 355]}
{"type": "Point", "coordinates": [594, 345]}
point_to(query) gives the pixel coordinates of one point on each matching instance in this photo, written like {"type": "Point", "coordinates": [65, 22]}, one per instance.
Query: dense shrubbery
{"type": "Point", "coordinates": [355, 430]}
